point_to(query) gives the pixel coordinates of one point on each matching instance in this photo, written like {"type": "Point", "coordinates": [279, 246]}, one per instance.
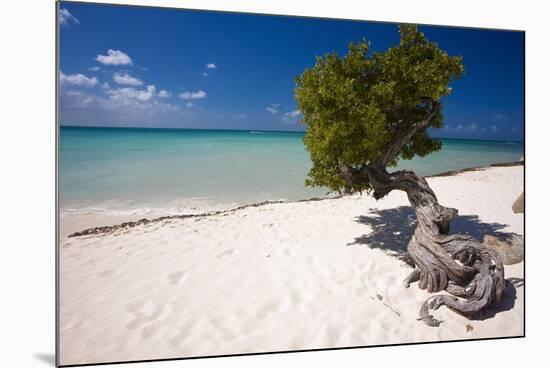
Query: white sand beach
{"type": "Point", "coordinates": [284, 276]}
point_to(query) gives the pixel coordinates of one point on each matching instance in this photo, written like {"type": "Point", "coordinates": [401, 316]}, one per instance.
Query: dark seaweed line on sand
{"type": "Point", "coordinates": [144, 221]}
{"type": "Point", "coordinates": [479, 168]}
{"type": "Point", "coordinates": [126, 225]}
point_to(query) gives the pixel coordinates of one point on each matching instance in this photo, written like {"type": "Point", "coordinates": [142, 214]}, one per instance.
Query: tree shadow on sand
{"type": "Point", "coordinates": [506, 303]}
{"type": "Point", "coordinates": [391, 230]}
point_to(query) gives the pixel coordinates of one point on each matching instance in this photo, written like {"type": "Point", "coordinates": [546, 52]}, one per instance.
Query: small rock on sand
{"type": "Point", "coordinates": [518, 206]}
{"type": "Point", "coordinates": [510, 247]}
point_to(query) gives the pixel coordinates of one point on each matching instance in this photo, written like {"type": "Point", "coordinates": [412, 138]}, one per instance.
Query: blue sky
{"type": "Point", "coordinates": [149, 67]}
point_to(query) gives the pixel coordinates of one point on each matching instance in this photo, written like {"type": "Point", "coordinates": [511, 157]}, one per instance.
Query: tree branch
{"type": "Point", "coordinates": [402, 139]}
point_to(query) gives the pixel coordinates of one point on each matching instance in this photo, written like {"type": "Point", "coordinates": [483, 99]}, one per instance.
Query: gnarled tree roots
{"type": "Point", "coordinates": [458, 264]}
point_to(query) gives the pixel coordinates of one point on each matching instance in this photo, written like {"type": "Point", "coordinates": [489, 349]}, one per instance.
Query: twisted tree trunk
{"type": "Point", "coordinates": [459, 264]}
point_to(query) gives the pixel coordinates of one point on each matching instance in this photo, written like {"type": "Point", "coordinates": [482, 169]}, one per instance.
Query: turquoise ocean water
{"type": "Point", "coordinates": [123, 170]}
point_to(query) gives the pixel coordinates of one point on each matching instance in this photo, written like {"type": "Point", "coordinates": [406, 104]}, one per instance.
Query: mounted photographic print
{"type": "Point", "coordinates": [233, 183]}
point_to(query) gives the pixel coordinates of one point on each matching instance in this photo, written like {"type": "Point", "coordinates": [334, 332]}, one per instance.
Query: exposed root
{"type": "Point", "coordinates": [458, 264]}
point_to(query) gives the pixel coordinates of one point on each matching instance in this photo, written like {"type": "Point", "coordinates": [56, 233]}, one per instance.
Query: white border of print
{"type": "Point", "coordinates": [27, 188]}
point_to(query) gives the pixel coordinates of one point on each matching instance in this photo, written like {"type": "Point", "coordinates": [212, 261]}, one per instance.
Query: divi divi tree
{"type": "Point", "coordinates": [366, 111]}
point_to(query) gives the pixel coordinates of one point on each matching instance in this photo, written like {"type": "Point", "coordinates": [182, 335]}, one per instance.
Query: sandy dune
{"type": "Point", "coordinates": [285, 276]}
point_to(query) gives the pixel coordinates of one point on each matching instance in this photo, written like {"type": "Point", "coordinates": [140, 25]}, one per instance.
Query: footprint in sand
{"type": "Point", "coordinates": [268, 309]}
{"type": "Point", "coordinates": [222, 328]}
{"type": "Point", "coordinates": [361, 291]}
{"type": "Point", "coordinates": [295, 297]}
{"type": "Point", "coordinates": [226, 253]}
{"type": "Point", "coordinates": [332, 335]}
{"type": "Point", "coordinates": [185, 331]}
{"type": "Point", "coordinates": [342, 279]}
{"type": "Point", "coordinates": [312, 261]}
{"type": "Point", "coordinates": [136, 306]}
{"type": "Point", "coordinates": [177, 277]}
{"type": "Point", "coordinates": [106, 273]}
{"type": "Point", "coordinates": [151, 331]}
{"type": "Point", "coordinates": [143, 313]}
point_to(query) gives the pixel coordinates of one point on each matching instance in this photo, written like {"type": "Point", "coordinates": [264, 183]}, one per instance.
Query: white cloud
{"type": "Point", "coordinates": [500, 116]}
{"type": "Point", "coordinates": [126, 79]}
{"type": "Point", "coordinates": [66, 18]}
{"type": "Point", "coordinates": [125, 105]}
{"type": "Point", "coordinates": [94, 68]}
{"type": "Point", "coordinates": [127, 93]}
{"type": "Point", "coordinates": [494, 128]}
{"type": "Point", "coordinates": [205, 74]}
{"type": "Point", "coordinates": [76, 99]}
{"type": "Point", "coordinates": [241, 116]}
{"type": "Point", "coordinates": [193, 95]}
{"type": "Point", "coordinates": [211, 66]}
{"type": "Point", "coordinates": [469, 128]}
{"type": "Point", "coordinates": [164, 93]}
{"type": "Point", "coordinates": [114, 57]}
{"type": "Point", "coordinates": [78, 80]}
{"type": "Point", "coordinates": [291, 116]}
{"type": "Point", "coordinates": [189, 104]}
{"type": "Point", "coordinates": [272, 108]}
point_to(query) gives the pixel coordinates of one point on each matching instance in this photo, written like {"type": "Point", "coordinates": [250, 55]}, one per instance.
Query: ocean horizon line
{"type": "Point", "coordinates": [255, 130]}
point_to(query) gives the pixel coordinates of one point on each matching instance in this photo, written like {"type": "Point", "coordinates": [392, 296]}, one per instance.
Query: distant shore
{"type": "Point", "coordinates": [301, 131]}
{"type": "Point", "coordinates": [224, 283]}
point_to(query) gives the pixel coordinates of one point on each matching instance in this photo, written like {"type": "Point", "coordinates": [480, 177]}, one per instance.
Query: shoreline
{"type": "Point", "coordinates": [95, 230]}
{"type": "Point", "coordinates": [476, 168]}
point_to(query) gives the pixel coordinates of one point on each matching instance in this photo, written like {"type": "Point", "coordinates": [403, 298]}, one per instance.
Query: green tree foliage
{"type": "Point", "coordinates": [356, 106]}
